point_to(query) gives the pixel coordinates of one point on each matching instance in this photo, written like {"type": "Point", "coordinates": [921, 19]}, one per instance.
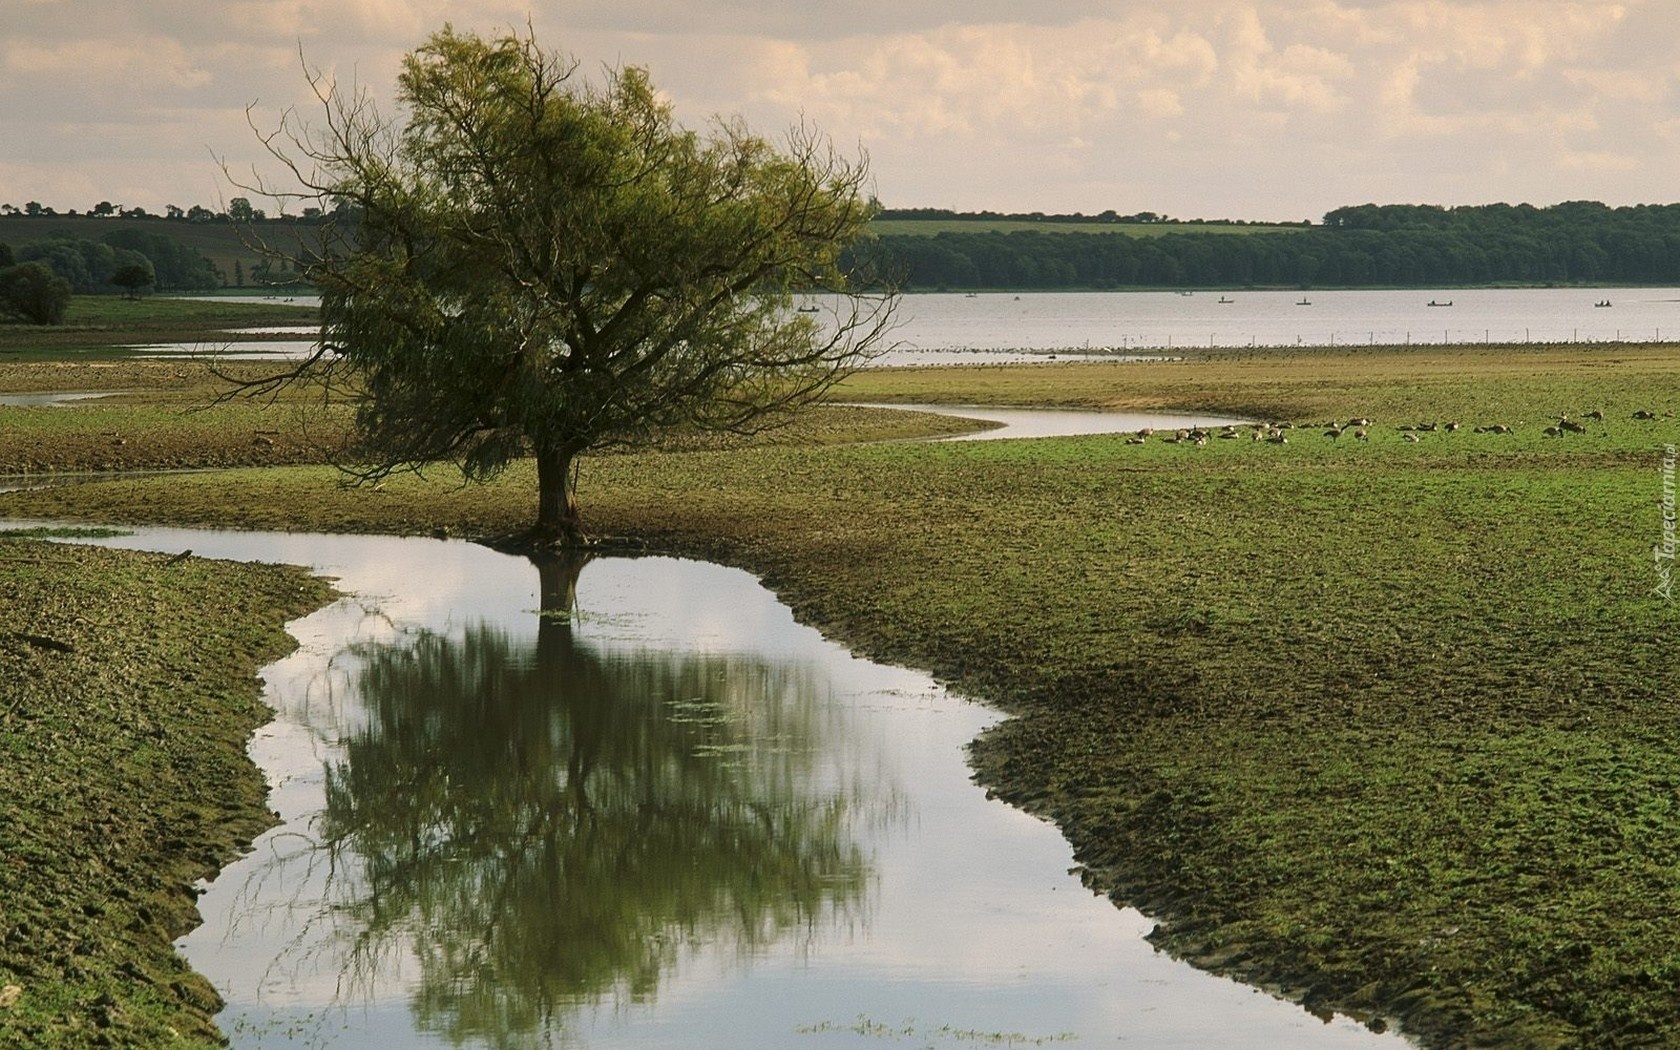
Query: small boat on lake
{"type": "Point", "coordinates": [1224, 299]}
{"type": "Point", "coordinates": [1304, 302]}
{"type": "Point", "coordinates": [1434, 303]}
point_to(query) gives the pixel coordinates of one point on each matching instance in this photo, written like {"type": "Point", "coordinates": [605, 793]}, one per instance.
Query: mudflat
{"type": "Point", "coordinates": [1385, 723]}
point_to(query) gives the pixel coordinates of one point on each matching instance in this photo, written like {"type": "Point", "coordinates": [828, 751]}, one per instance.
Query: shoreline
{"type": "Point", "coordinates": [123, 702]}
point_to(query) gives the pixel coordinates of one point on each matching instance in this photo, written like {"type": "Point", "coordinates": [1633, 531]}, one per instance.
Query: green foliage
{"type": "Point", "coordinates": [176, 266]}
{"type": "Point", "coordinates": [1369, 245]}
{"type": "Point", "coordinates": [31, 292]}
{"type": "Point", "coordinates": [538, 263]}
{"type": "Point", "coordinates": [132, 277]}
{"type": "Point", "coordinates": [86, 265]}
{"type": "Point", "coordinates": [6, 256]}
{"type": "Point", "coordinates": [196, 251]}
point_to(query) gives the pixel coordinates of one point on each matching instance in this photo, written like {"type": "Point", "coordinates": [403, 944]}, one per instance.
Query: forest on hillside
{"type": "Point", "coordinates": [1370, 245]}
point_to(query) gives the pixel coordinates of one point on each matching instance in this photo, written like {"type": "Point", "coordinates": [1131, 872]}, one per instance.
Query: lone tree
{"type": "Point", "coordinates": [132, 278]}
{"type": "Point", "coordinates": [533, 265]}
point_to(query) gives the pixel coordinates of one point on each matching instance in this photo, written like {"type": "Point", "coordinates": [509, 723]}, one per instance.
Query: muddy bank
{"type": "Point", "coordinates": [128, 691]}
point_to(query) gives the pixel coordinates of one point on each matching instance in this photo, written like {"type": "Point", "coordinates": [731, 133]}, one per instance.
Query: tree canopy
{"type": "Point", "coordinates": [31, 292]}
{"type": "Point", "coordinates": [532, 264]}
{"type": "Point", "coordinates": [1400, 245]}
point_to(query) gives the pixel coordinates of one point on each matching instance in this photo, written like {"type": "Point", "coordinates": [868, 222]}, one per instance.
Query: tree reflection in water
{"type": "Point", "coordinates": [549, 826]}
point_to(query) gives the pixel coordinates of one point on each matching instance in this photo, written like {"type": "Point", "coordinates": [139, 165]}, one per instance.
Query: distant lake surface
{"type": "Point", "coordinates": [940, 328]}
{"type": "Point", "coordinates": [1121, 321]}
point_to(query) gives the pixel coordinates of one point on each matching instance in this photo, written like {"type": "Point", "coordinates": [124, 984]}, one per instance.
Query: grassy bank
{"type": "Point", "coordinates": [128, 693]}
{"type": "Point", "coordinates": [101, 326]}
{"type": "Point", "coordinates": [1387, 725]}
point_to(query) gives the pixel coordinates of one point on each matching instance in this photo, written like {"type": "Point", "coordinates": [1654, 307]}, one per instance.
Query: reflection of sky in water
{"type": "Point", "coordinates": [971, 921]}
{"type": "Point", "coordinates": [49, 400]}
{"type": "Point", "coordinates": [1055, 422]}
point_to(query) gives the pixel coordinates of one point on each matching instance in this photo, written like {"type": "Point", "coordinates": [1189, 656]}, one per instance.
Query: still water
{"type": "Point", "coordinates": [939, 328]}
{"type": "Point", "coordinates": [1120, 321]}
{"type": "Point", "coordinates": [633, 803]}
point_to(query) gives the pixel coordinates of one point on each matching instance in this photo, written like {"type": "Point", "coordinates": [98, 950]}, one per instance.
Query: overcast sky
{"type": "Point", "coordinates": [1249, 109]}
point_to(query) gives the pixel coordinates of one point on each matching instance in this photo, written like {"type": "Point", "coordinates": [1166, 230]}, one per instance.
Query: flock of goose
{"type": "Point", "coordinates": [1359, 428]}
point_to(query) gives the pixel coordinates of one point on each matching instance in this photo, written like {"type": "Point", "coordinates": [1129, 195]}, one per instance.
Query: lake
{"type": "Point", "coordinates": [1121, 321]}
{"type": "Point", "coordinates": [1000, 328]}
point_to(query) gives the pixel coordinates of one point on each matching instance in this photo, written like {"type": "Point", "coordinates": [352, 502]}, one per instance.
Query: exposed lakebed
{"type": "Point", "coordinates": [630, 803]}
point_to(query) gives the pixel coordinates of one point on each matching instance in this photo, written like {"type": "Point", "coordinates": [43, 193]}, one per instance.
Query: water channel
{"type": "Point", "coordinates": [632, 803]}
{"type": "Point", "coordinates": [673, 817]}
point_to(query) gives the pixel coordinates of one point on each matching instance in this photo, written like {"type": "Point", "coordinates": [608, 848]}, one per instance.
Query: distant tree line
{"type": "Point", "coordinates": [38, 278]}
{"type": "Point", "coordinates": [239, 210]}
{"type": "Point", "coordinates": [1365, 245]}
{"type": "Point", "coordinates": [91, 267]}
{"type": "Point", "coordinates": [1109, 216]}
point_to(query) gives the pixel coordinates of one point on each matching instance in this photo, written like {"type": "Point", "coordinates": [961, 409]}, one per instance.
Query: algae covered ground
{"type": "Point", "coordinates": [1388, 725]}
{"type": "Point", "coordinates": [127, 691]}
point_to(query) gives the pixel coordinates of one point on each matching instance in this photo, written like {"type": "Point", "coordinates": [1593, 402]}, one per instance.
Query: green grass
{"type": "Point", "coordinates": [127, 693]}
{"type": "Point", "coordinates": [1385, 726]}
{"type": "Point", "coordinates": [101, 326]}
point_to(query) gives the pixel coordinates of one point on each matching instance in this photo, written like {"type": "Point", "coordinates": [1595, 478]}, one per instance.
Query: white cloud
{"type": "Point", "coordinates": [1085, 104]}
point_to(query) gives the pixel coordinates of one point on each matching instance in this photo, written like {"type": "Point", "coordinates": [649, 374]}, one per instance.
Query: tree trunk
{"type": "Point", "coordinates": [557, 516]}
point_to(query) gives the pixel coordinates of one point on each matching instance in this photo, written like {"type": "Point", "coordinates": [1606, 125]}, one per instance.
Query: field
{"type": "Point", "coordinates": [103, 326]}
{"type": "Point", "coordinates": [1385, 725]}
